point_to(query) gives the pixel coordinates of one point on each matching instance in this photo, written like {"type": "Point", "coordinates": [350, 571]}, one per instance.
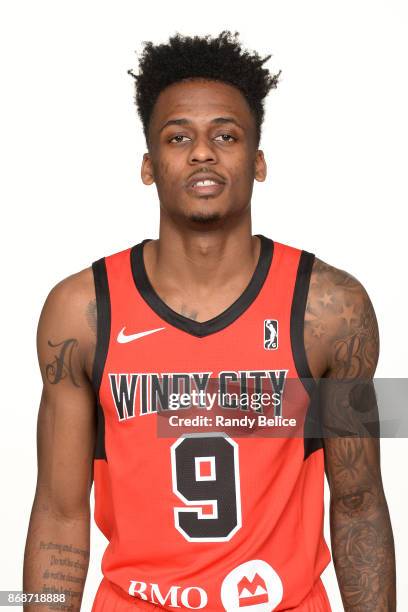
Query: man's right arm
{"type": "Point", "coordinates": [57, 547]}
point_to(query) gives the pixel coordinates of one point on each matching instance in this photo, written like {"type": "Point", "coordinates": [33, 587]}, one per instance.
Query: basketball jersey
{"type": "Point", "coordinates": [207, 515]}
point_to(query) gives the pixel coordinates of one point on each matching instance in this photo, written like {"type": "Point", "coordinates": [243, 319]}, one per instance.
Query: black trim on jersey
{"type": "Point", "coordinates": [297, 322]}
{"type": "Point", "coordinates": [312, 423]}
{"type": "Point", "coordinates": [103, 309]}
{"type": "Point", "coordinates": [222, 320]}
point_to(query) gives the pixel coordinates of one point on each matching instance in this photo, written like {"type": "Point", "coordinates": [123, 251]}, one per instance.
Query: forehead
{"type": "Point", "coordinates": [200, 100]}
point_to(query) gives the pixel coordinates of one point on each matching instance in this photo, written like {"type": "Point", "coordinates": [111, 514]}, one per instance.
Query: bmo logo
{"type": "Point", "coordinates": [193, 597]}
{"type": "Point", "coordinates": [253, 586]}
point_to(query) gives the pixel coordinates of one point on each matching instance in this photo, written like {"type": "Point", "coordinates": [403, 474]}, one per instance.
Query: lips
{"type": "Point", "coordinates": [205, 184]}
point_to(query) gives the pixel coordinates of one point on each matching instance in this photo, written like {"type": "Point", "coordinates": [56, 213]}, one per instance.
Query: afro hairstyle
{"type": "Point", "coordinates": [185, 58]}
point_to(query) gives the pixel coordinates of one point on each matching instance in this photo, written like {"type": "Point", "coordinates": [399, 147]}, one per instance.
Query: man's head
{"type": "Point", "coordinates": [200, 101]}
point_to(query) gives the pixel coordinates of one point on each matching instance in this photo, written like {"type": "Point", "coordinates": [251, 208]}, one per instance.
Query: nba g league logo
{"type": "Point", "coordinates": [270, 334]}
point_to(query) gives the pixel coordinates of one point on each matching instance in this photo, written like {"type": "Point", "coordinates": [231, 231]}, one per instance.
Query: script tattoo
{"type": "Point", "coordinates": [62, 367]}
{"type": "Point", "coordinates": [341, 321]}
{"type": "Point", "coordinates": [91, 315]}
{"type": "Point", "coordinates": [65, 573]}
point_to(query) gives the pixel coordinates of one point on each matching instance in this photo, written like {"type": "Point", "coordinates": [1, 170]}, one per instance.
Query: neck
{"type": "Point", "coordinates": [201, 262]}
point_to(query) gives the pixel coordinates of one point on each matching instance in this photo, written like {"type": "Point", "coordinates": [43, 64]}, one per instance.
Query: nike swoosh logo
{"type": "Point", "coordinates": [122, 338]}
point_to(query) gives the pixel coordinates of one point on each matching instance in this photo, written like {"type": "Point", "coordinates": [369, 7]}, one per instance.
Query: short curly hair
{"type": "Point", "coordinates": [184, 58]}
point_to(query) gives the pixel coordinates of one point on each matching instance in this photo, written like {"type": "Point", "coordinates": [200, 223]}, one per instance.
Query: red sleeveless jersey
{"type": "Point", "coordinates": [198, 517]}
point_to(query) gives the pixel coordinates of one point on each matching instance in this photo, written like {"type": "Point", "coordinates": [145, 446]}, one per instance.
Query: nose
{"type": "Point", "coordinates": [202, 151]}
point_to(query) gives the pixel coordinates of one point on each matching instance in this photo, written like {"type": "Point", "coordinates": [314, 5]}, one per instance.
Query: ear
{"type": "Point", "coordinates": [146, 171]}
{"type": "Point", "coordinates": [260, 166]}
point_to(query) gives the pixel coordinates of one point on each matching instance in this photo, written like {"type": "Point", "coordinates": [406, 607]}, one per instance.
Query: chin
{"type": "Point", "coordinates": [205, 218]}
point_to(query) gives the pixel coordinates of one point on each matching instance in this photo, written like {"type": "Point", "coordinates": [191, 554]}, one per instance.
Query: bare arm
{"type": "Point", "coordinates": [361, 532]}
{"type": "Point", "coordinates": [57, 547]}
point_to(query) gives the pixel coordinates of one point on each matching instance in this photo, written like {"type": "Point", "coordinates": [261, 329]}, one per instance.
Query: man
{"type": "Point", "coordinates": [205, 519]}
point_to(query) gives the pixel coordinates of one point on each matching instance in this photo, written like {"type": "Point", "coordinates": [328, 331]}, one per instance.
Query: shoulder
{"type": "Point", "coordinates": [335, 284]}
{"type": "Point", "coordinates": [72, 296]}
{"type": "Point", "coordinates": [68, 320]}
{"type": "Point", "coordinates": [340, 320]}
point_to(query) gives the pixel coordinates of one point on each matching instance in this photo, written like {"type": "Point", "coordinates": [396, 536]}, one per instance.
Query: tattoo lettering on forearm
{"type": "Point", "coordinates": [62, 366]}
{"type": "Point", "coordinates": [62, 577]}
{"type": "Point", "coordinates": [64, 548]}
{"type": "Point", "coordinates": [65, 574]}
{"type": "Point", "coordinates": [67, 562]}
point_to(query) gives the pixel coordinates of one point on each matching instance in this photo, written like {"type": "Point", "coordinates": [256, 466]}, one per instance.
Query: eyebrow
{"type": "Point", "coordinates": [216, 121]}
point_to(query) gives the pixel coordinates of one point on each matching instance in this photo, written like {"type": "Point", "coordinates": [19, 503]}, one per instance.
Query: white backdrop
{"type": "Point", "coordinates": [335, 139]}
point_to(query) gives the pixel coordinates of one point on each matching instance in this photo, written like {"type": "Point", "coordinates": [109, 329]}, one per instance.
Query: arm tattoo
{"type": "Point", "coordinates": [340, 319]}
{"type": "Point", "coordinates": [339, 314]}
{"type": "Point", "coordinates": [65, 567]}
{"type": "Point", "coordinates": [61, 367]}
{"type": "Point", "coordinates": [356, 353]}
{"type": "Point", "coordinates": [362, 538]}
{"type": "Point", "coordinates": [91, 315]}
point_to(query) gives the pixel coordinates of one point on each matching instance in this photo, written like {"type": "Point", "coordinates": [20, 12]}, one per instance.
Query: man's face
{"type": "Point", "coordinates": [202, 128]}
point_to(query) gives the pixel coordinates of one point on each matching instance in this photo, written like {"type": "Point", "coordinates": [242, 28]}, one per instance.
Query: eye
{"type": "Point", "coordinates": [228, 136]}
{"type": "Point", "coordinates": [356, 502]}
{"type": "Point", "coordinates": [177, 136]}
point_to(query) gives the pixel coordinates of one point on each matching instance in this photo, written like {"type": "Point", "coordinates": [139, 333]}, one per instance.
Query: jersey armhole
{"type": "Point", "coordinates": [312, 432]}
{"type": "Point", "coordinates": [103, 311]}
{"type": "Point", "coordinates": [297, 320]}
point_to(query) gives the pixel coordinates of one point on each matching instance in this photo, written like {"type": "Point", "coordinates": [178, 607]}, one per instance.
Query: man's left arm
{"type": "Point", "coordinates": [360, 527]}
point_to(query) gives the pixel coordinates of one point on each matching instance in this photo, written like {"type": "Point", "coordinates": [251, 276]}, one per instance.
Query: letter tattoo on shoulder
{"type": "Point", "coordinates": [61, 367]}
